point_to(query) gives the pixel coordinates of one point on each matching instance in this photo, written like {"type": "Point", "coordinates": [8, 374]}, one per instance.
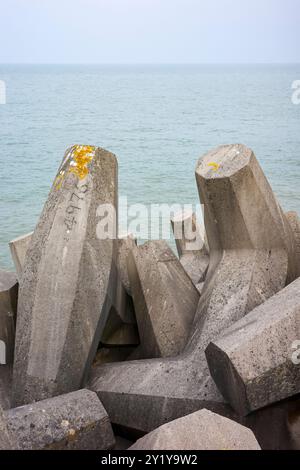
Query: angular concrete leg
{"type": "Point", "coordinates": [164, 297]}
{"type": "Point", "coordinates": [294, 222]}
{"type": "Point", "coordinates": [18, 249]}
{"type": "Point", "coordinates": [76, 420]}
{"type": "Point", "coordinates": [7, 440]}
{"type": "Point", "coordinates": [67, 287]}
{"type": "Point", "coordinates": [5, 386]}
{"type": "Point", "coordinates": [121, 328]}
{"type": "Point", "coordinates": [191, 247]}
{"type": "Point", "coordinates": [8, 312]}
{"type": "Point", "coordinates": [253, 363]}
{"type": "Point", "coordinates": [126, 243]}
{"type": "Point", "coordinates": [202, 430]}
{"type": "Point", "coordinates": [250, 260]}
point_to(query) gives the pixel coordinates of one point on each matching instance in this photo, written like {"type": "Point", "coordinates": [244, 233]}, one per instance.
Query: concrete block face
{"type": "Point", "coordinates": [294, 221]}
{"type": "Point", "coordinates": [251, 250]}
{"type": "Point", "coordinates": [7, 440]}
{"type": "Point", "coordinates": [191, 245]}
{"type": "Point", "coordinates": [5, 386]}
{"type": "Point", "coordinates": [164, 297]}
{"type": "Point", "coordinates": [202, 430]}
{"type": "Point", "coordinates": [121, 328]}
{"type": "Point", "coordinates": [126, 243]}
{"type": "Point", "coordinates": [8, 312]}
{"type": "Point", "coordinates": [76, 420]}
{"type": "Point", "coordinates": [18, 249]}
{"type": "Point", "coordinates": [68, 283]}
{"type": "Point", "coordinates": [252, 362]}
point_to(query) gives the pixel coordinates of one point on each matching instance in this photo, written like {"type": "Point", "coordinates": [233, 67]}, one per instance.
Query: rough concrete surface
{"type": "Point", "coordinates": [68, 284]}
{"type": "Point", "coordinates": [251, 258]}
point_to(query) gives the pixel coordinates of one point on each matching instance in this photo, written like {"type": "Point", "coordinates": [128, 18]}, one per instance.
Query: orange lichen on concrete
{"type": "Point", "coordinates": [78, 163]}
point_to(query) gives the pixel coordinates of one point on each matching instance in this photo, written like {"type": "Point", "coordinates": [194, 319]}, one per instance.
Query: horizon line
{"type": "Point", "coordinates": [147, 63]}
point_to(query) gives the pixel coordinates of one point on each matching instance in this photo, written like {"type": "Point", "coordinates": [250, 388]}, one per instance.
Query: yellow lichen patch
{"type": "Point", "coordinates": [81, 157]}
{"type": "Point", "coordinates": [77, 163]}
{"type": "Point", "coordinates": [215, 166]}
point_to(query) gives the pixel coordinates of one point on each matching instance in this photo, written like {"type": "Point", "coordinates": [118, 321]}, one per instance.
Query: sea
{"type": "Point", "coordinates": [157, 119]}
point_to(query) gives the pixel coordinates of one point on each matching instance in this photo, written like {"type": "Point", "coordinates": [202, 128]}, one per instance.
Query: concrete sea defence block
{"type": "Point", "coordinates": [121, 327]}
{"type": "Point", "coordinates": [76, 420]}
{"type": "Point", "coordinates": [251, 259]}
{"type": "Point", "coordinates": [7, 440]}
{"type": "Point", "coordinates": [252, 362]}
{"type": "Point", "coordinates": [294, 222]}
{"type": "Point", "coordinates": [18, 248]}
{"type": "Point", "coordinates": [165, 299]}
{"type": "Point", "coordinates": [8, 311]}
{"type": "Point", "coordinates": [191, 245]}
{"type": "Point", "coordinates": [5, 386]}
{"type": "Point", "coordinates": [202, 430]}
{"type": "Point", "coordinates": [68, 284]}
{"type": "Point", "coordinates": [126, 243]}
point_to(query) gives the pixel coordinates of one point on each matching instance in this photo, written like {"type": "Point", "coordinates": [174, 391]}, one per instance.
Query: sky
{"type": "Point", "coordinates": [149, 31]}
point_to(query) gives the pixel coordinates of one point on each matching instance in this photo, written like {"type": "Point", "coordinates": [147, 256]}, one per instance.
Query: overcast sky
{"type": "Point", "coordinates": [149, 31]}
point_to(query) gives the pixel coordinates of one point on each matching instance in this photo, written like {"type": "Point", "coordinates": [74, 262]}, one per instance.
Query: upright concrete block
{"type": "Point", "coordinates": [5, 386]}
{"type": "Point", "coordinates": [121, 327]}
{"type": "Point", "coordinates": [252, 362]}
{"type": "Point", "coordinates": [251, 258]}
{"type": "Point", "coordinates": [7, 441]}
{"type": "Point", "coordinates": [18, 248]}
{"type": "Point", "coordinates": [8, 311]}
{"type": "Point", "coordinates": [126, 243]}
{"type": "Point", "coordinates": [76, 420]}
{"type": "Point", "coordinates": [68, 284]}
{"type": "Point", "coordinates": [191, 246]}
{"type": "Point", "coordinates": [294, 222]}
{"type": "Point", "coordinates": [164, 297]}
{"type": "Point", "coordinates": [202, 430]}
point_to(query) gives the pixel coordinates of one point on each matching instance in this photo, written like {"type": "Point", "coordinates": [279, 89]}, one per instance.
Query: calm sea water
{"type": "Point", "coordinates": [158, 120]}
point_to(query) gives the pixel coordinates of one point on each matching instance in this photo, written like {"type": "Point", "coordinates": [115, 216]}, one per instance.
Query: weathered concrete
{"type": "Point", "coordinates": [76, 420]}
{"type": "Point", "coordinates": [202, 430]}
{"type": "Point", "coordinates": [121, 328]}
{"type": "Point", "coordinates": [294, 222]}
{"type": "Point", "coordinates": [5, 386]}
{"type": "Point", "coordinates": [8, 311]}
{"type": "Point", "coordinates": [126, 243]}
{"type": "Point", "coordinates": [7, 441]}
{"type": "Point", "coordinates": [191, 247]}
{"type": "Point", "coordinates": [252, 362]}
{"type": "Point", "coordinates": [18, 248]}
{"type": "Point", "coordinates": [68, 284]}
{"type": "Point", "coordinates": [164, 297]}
{"type": "Point", "coordinates": [250, 260]}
